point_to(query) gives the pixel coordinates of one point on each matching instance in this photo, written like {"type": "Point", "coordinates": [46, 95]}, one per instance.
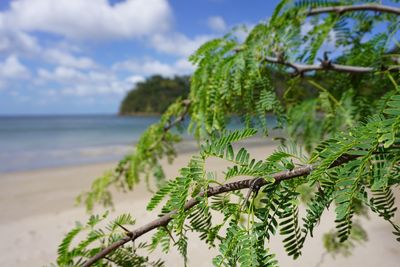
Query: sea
{"type": "Point", "coordinates": [37, 142]}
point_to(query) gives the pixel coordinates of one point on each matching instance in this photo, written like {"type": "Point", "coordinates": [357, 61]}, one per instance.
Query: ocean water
{"type": "Point", "coordinates": [33, 142]}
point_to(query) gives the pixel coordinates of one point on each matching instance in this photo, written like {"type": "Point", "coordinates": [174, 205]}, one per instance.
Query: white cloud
{"type": "Point", "coordinates": [71, 81]}
{"type": "Point", "coordinates": [177, 43]}
{"type": "Point", "coordinates": [184, 66]}
{"type": "Point", "coordinates": [12, 68]}
{"type": "Point", "coordinates": [134, 79]}
{"type": "Point", "coordinates": [217, 24]}
{"type": "Point", "coordinates": [62, 75]}
{"type": "Point", "coordinates": [79, 82]}
{"type": "Point", "coordinates": [152, 66]}
{"type": "Point", "coordinates": [4, 43]}
{"type": "Point", "coordinates": [113, 86]}
{"type": "Point", "coordinates": [15, 41]}
{"type": "Point", "coordinates": [26, 45]}
{"type": "Point", "coordinates": [59, 65]}
{"type": "Point", "coordinates": [89, 19]}
{"type": "Point", "coordinates": [60, 57]}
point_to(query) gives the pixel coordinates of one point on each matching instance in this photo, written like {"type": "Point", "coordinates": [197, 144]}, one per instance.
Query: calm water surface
{"type": "Point", "coordinates": [31, 142]}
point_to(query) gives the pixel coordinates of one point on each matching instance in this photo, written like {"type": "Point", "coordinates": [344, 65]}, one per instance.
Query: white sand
{"type": "Point", "coordinates": [37, 210]}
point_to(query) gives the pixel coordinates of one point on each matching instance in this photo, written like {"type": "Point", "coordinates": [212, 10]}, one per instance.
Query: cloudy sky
{"type": "Point", "coordinates": [82, 56]}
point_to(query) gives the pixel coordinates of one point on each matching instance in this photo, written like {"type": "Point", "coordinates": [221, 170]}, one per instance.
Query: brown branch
{"type": "Point", "coordinates": [343, 9]}
{"type": "Point", "coordinates": [124, 165]}
{"type": "Point", "coordinates": [181, 117]}
{"type": "Point", "coordinates": [169, 125]}
{"type": "Point", "coordinates": [325, 65]}
{"type": "Point", "coordinates": [212, 191]}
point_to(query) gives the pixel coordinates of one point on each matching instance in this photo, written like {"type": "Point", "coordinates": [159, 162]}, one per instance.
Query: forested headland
{"type": "Point", "coordinates": [154, 95]}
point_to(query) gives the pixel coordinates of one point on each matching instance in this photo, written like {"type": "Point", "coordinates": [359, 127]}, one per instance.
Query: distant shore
{"type": "Point", "coordinates": [142, 114]}
{"type": "Point", "coordinates": [37, 209]}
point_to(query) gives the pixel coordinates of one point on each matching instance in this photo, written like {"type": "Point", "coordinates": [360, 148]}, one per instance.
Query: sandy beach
{"type": "Point", "coordinates": [37, 209]}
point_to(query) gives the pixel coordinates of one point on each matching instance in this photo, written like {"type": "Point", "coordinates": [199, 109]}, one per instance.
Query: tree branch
{"type": "Point", "coordinates": [181, 117]}
{"type": "Point", "coordinates": [343, 9]}
{"type": "Point", "coordinates": [212, 191]}
{"type": "Point", "coordinates": [169, 125]}
{"type": "Point", "coordinates": [325, 65]}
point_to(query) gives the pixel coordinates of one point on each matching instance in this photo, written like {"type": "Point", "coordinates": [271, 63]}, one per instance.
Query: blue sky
{"type": "Point", "coordinates": [82, 56]}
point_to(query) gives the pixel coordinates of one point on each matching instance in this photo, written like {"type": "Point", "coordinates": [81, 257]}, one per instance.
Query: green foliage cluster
{"type": "Point", "coordinates": [101, 236]}
{"type": "Point", "coordinates": [154, 95]}
{"type": "Point", "coordinates": [277, 205]}
{"type": "Point", "coordinates": [155, 143]}
{"type": "Point", "coordinates": [348, 123]}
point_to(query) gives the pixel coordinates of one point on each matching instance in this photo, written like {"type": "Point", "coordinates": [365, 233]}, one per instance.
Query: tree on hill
{"type": "Point", "coordinates": [349, 124]}
{"type": "Point", "coordinates": [154, 95]}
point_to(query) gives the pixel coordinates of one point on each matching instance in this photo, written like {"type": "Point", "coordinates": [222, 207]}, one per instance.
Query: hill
{"type": "Point", "coordinates": [154, 95]}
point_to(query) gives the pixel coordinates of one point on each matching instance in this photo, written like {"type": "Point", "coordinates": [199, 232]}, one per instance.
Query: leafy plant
{"type": "Point", "coordinates": [344, 110]}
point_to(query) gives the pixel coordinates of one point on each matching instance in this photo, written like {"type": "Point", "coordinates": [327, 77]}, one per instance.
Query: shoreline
{"type": "Point", "coordinates": [97, 155]}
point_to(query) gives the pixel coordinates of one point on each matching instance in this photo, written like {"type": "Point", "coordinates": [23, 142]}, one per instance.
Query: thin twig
{"type": "Point", "coordinates": [181, 117]}
{"type": "Point", "coordinates": [169, 233]}
{"type": "Point", "coordinates": [128, 233]}
{"type": "Point", "coordinates": [253, 189]}
{"type": "Point", "coordinates": [321, 260]}
{"type": "Point", "coordinates": [110, 260]}
{"type": "Point", "coordinates": [169, 125]}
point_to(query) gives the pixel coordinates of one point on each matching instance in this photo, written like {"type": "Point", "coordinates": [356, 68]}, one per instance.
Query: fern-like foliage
{"type": "Point", "coordinates": [383, 203]}
{"type": "Point", "coordinates": [348, 123]}
{"type": "Point", "coordinates": [290, 228]}
{"type": "Point", "coordinates": [155, 143]}
{"type": "Point", "coordinates": [96, 238]}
